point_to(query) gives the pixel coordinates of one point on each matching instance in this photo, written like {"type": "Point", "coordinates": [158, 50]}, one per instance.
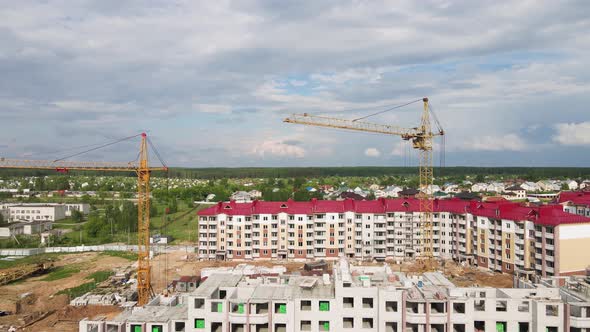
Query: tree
{"type": "Point", "coordinates": [77, 216]}
{"type": "Point", "coordinates": [96, 227]}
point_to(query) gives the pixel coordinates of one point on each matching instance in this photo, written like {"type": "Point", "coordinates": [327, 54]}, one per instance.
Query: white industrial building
{"type": "Point", "coordinates": [32, 212]}
{"type": "Point", "coordinates": [42, 211]}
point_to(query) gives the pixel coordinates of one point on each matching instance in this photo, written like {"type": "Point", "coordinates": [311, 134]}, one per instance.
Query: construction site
{"type": "Point", "coordinates": [34, 301]}
{"type": "Point", "coordinates": [419, 257]}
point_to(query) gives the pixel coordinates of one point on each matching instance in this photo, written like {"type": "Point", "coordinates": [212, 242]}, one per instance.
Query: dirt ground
{"type": "Point", "coordinates": [461, 276]}
{"type": "Point", "coordinates": [180, 263]}
{"type": "Point", "coordinates": [42, 300]}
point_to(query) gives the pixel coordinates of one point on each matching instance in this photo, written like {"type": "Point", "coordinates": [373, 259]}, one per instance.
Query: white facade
{"type": "Point", "coordinates": [35, 212]}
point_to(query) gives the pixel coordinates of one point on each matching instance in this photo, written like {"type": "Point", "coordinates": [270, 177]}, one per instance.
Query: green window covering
{"type": "Point", "coordinates": [499, 327]}
{"type": "Point", "coordinates": [282, 308]}
{"type": "Point", "coordinates": [199, 323]}
{"type": "Point", "coordinates": [324, 306]}
{"type": "Point", "coordinates": [241, 308]}
{"type": "Point", "coordinates": [136, 328]}
{"type": "Point", "coordinates": [326, 326]}
{"type": "Point", "coordinates": [156, 329]}
{"type": "Point", "coordinates": [219, 307]}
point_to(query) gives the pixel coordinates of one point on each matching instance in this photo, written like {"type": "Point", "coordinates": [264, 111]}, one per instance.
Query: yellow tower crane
{"type": "Point", "coordinates": [143, 171]}
{"type": "Point", "coordinates": [422, 140]}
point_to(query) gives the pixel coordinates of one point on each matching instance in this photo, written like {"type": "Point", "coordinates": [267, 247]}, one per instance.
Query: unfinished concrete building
{"type": "Point", "coordinates": [357, 298]}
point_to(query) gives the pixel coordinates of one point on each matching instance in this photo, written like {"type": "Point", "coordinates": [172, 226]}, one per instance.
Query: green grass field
{"type": "Point", "coordinates": [35, 259]}
{"type": "Point", "coordinates": [62, 272]}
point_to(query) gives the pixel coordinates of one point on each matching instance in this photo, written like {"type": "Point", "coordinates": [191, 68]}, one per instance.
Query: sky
{"type": "Point", "coordinates": [211, 81]}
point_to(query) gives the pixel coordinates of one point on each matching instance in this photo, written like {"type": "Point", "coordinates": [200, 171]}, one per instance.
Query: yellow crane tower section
{"type": "Point", "coordinates": [142, 169]}
{"type": "Point", "coordinates": [422, 140]}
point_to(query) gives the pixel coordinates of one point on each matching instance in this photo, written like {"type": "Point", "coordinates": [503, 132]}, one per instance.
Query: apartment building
{"type": "Point", "coordinates": [354, 298]}
{"type": "Point", "coordinates": [501, 236]}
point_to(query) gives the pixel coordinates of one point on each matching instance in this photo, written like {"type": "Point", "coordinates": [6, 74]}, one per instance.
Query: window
{"type": "Point", "coordinates": [199, 303]}
{"type": "Point", "coordinates": [156, 328]}
{"type": "Point", "coordinates": [367, 302]}
{"type": "Point", "coordinates": [199, 323]}
{"type": "Point", "coordinates": [551, 310]}
{"type": "Point", "coordinates": [324, 325]}
{"type": "Point", "coordinates": [305, 325]}
{"type": "Point", "coordinates": [348, 322]}
{"type": "Point", "coordinates": [479, 305]}
{"type": "Point", "coordinates": [501, 306]}
{"type": "Point", "coordinates": [280, 308]}
{"type": "Point", "coordinates": [305, 305]}
{"type": "Point", "coordinates": [348, 302]}
{"type": "Point", "coordinates": [523, 306]}
{"type": "Point", "coordinates": [391, 306]}
{"type": "Point", "coordinates": [324, 306]}
{"type": "Point", "coordinates": [458, 308]}
{"type": "Point", "coordinates": [216, 307]}
{"type": "Point", "coordinates": [367, 323]}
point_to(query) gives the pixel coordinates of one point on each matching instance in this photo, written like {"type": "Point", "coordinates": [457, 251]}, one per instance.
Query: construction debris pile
{"type": "Point", "coordinates": [118, 289]}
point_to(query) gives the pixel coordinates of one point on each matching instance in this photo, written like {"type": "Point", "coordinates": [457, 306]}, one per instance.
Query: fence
{"type": "Point", "coordinates": [106, 247]}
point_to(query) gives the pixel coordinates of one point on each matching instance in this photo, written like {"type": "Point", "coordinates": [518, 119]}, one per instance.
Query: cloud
{"type": "Point", "coordinates": [104, 69]}
{"type": "Point", "coordinates": [572, 133]}
{"type": "Point", "coordinates": [278, 149]}
{"type": "Point", "coordinates": [509, 142]}
{"type": "Point", "coordinates": [372, 152]}
{"type": "Point", "coordinates": [213, 108]}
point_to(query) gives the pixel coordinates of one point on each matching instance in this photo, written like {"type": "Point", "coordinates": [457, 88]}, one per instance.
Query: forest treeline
{"type": "Point", "coordinates": [291, 172]}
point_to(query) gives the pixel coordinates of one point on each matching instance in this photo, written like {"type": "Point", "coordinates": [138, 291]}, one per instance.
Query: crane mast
{"type": "Point", "coordinates": [143, 171]}
{"type": "Point", "coordinates": [422, 140]}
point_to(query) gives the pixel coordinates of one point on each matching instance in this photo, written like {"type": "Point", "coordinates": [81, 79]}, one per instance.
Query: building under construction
{"type": "Point", "coordinates": [357, 298]}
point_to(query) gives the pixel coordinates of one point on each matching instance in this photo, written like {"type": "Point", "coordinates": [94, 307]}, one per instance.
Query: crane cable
{"type": "Point", "coordinates": [389, 109]}
{"type": "Point", "coordinates": [98, 147]}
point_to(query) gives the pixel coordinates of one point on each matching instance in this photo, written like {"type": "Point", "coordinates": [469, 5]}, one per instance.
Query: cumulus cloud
{"type": "Point", "coordinates": [572, 133]}
{"type": "Point", "coordinates": [240, 67]}
{"type": "Point", "coordinates": [372, 152]}
{"type": "Point", "coordinates": [278, 149]}
{"type": "Point", "coordinates": [509, 142]}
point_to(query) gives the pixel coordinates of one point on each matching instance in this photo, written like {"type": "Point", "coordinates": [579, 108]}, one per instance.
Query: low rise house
{"type": "Point", "coordinates": [572, 185]}
{"type": "Point", "coordinates": [452, 189]}
{"type": "Point", "coordinates": [514, 193]}
{"type": "Point", "coordinates": [241, 197]}
{"type": "Point", "coordinates": [390, 191]}
{"type": "Point", "coordinates": [479, 187]}
{"type": "Point", "coordinates": [549, 185]}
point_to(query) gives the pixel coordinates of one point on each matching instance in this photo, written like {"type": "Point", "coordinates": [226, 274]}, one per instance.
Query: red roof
{"type": "Point", "coordinates": [544, 214]}
{"type": "Point", "coordinates": [576, 197]}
